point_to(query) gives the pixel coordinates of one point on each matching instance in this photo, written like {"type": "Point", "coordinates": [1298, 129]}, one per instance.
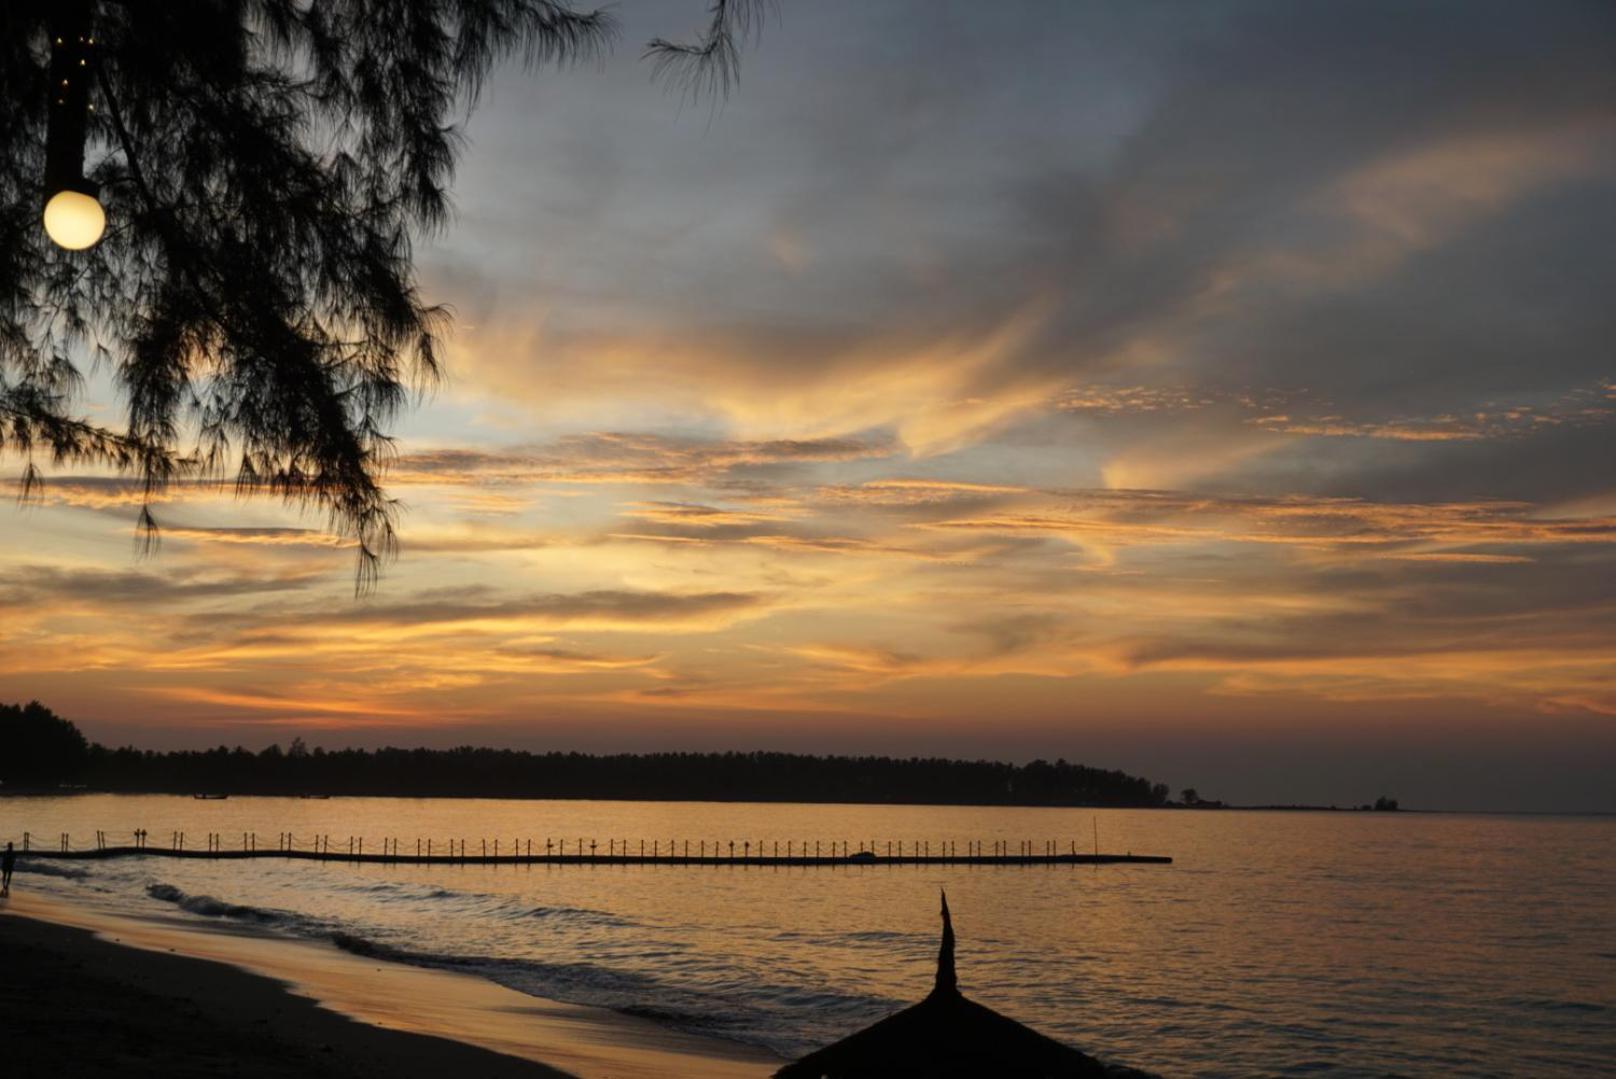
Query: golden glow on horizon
{"type": "Point", "coordinates": [1169, 436]}
{"type": "Point", "coordinates": [806, 599]}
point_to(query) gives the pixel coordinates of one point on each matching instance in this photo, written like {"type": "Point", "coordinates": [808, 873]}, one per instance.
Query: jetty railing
{"type": "Point", "coordinates": [577, 850]}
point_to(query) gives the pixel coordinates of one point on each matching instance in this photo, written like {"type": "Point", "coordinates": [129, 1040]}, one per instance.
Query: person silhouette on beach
{"type": "Point", "coordinates": [8, 862]}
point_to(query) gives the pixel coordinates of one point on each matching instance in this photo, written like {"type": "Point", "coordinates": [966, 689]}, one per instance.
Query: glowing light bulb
{"type": "Point", "coordinates": [74, 220]}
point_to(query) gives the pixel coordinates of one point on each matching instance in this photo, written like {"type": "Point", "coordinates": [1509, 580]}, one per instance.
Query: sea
{"type": "Point", "coordinates": [1276, 943]}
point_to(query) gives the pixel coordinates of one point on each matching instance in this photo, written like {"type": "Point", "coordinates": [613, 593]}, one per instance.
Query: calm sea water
{"type": "Point", "coordinates": [1278, 943]}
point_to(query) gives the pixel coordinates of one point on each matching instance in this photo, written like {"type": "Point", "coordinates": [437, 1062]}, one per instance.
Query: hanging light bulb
{"type": "Point", "coordinates": [73, 215]}
{"type": "Point", "coordinates": [74, 218]}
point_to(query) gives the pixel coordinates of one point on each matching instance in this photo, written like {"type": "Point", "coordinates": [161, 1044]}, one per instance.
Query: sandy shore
{"type": "Point", "coordinates": [84, 992]}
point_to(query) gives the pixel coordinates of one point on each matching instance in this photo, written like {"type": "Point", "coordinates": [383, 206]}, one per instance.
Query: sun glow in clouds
{"type": "Point", "coordinates": [879, 411]}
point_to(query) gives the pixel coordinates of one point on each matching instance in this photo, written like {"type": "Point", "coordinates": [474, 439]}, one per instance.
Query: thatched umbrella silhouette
{"type": "Point", "coordinates": [946, 1035]}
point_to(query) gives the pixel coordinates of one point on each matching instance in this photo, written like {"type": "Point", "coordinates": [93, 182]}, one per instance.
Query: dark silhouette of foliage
{"type": "Point", "coordinates": [39, 735]}
{"type": "Point", "coordinates": [710, 66]}
{"type": "Point", "coordinates": [38, 747]}
{"type": "Point", "coordinates": [266, 166]}
{"type": "Point", "coordinates": [504, 773]}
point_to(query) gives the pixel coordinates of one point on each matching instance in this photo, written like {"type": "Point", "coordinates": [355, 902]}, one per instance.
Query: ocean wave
{"type": "Point", "coordinates": [770, 1018]}
{"type": "Point", "coordinates": [209, 907]}
{"type": "Point", "coordinates": [46, 869]}
{"type": "Point", "coordinates": [1552, 1005]}
{"type": "Point", "coordinates": [497, 905]}
{"type": "Point", "coordinates": [582, 916]}
{"type": "Point", "coordinates": [395, 890]}
{"type": "Point", "coordinates": [363, 946]}
{"type": "Point", "coordinates": [730, 1002]}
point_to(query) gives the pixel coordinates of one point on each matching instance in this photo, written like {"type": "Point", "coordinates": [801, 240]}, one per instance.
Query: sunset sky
{"type": "Point", "coordinates": [1222, 392]}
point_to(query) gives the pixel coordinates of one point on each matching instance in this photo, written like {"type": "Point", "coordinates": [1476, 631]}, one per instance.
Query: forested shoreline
{"type": "Point", "coordinates": [44, 750]}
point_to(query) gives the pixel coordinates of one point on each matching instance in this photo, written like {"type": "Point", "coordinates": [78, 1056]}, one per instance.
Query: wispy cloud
{"type": "Point", "coordinates": [1257, 390]}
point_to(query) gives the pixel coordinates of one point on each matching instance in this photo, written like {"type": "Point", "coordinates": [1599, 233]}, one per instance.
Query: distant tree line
{"type": "Point", "coordinates": [58, 754]}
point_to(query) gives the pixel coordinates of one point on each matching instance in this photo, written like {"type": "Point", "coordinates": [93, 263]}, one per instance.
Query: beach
{"type": "Point", "coordinates": [100, 994]}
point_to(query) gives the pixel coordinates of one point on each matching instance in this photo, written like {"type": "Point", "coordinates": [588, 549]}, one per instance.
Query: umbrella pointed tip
{"type": "Point", "coordinates": [947, 980]}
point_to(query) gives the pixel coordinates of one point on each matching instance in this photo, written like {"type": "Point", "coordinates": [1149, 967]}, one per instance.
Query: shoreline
{"type": "Point", "coordinates": [69, 792]}
{"type": "Point", "coordinates": [173, 997]}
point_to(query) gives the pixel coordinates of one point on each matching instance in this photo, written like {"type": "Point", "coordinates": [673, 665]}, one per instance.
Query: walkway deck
{"type": "Point", "coordinates": [410, 858]}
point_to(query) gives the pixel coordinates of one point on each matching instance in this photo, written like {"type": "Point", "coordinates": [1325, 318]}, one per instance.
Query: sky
{"type": "Point", "coordinates": [1223, 392]}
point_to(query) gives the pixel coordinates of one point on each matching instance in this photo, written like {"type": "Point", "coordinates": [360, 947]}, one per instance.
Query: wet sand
{"type": "Point", "coordinates": [84, 992]}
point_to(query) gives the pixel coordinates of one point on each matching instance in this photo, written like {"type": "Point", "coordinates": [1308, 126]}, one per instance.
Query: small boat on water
{"type": "Point", "coordinates": [210, 797]}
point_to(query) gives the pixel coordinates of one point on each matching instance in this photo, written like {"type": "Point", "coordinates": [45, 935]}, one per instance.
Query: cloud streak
{"type": "Point", "coordinates": [1151, 383]}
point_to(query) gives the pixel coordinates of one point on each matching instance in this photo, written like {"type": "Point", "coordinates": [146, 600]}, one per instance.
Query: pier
{"type": "Point", "coordinates": [582, 851]}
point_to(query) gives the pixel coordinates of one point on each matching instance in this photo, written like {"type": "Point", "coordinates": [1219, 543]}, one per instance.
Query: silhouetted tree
{"type": "Point", "coordinates": [504, 773]}
{"type": "Point", "coordinates": [711, 65]}
{"type": "Point", "coordinates": [267, 166]}
{"type": "Point", "coordinates": [39, 747]}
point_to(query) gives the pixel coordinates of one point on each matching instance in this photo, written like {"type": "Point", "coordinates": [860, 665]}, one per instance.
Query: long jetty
{"type": "Point", "coordinates": [453, 852]}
